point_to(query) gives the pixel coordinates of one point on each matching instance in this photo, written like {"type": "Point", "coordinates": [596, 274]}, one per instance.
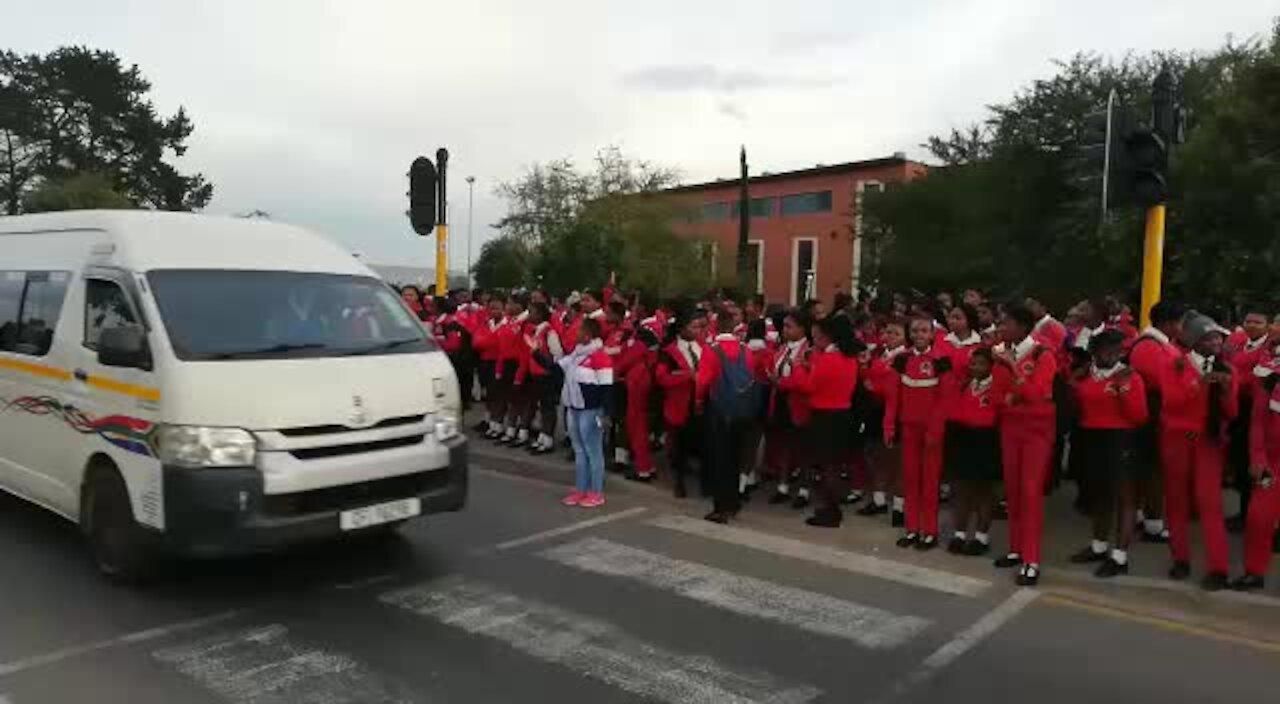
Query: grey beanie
{"type": "Point", "coordinates": [1196, 326]}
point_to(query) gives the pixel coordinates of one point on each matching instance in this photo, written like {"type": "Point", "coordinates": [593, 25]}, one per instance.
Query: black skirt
{"type": "Point", "coordinates": [830, 436]}
{"type": "Point", "coordinates": [1101, 457]}
{"type": "Point", "coordinates": [972, 454]}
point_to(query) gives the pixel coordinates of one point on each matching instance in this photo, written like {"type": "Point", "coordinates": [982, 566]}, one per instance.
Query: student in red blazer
{"type": "Point", "coordinates": [788, 412]}
{"type": "Point", "coordinates": [972, 452]}
{"type": "Point", "coordinates": [917, 411]}
{"type": "Point", "coordinates": [726, 436]}
{"type": "Point", "coordinates": [636, 366]}
{"type": "Point", "coordinates": [676, 374]}
{"type": "Point", "coordinates": [1245, 349]}
{"type": "Point", "coordinates": [1264, 470]}
{"type": "Point", "coordinates": [511, 370]}
{"type": "Point", "coordinates": [1111, 406]}
{"type": "Point", "coordinates": [1028, 428]}
{"type": "Point", "coordinates": [544, 379]}
{"type": "Point", "coordinates": [484, 337]}
{"type": "Point", "coordinates": [1153, 351]}
{"type": "Point", "coordinates": [880, 380]}
{"type": "Point", "coordinates": [1200, 397]}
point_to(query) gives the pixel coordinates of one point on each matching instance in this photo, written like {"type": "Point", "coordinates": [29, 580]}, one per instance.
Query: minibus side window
{"type": "Point", "coordinates": [105, 306]}
{"type": "Point", "coordinates": [30, 305]}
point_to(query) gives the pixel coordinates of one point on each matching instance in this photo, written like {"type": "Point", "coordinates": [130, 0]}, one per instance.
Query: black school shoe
{"type": "Point", "coordinates": [955, 546]}
{"type": "Point", "coordinates": [1028, 576]}
{"type": "Point", "coordinates": [779, 498]}
{"type": "Point", "coordinates": [825, 518]}
{"type": "Point", "coordinates": [1180, 571]}
{"type": "Point", "coordinates": [1214, 582]}
{"type": "Point", "coordinates": [1248, 583]}
{"type": "Point", "coordinates": [717, 517]}
{"type": "Point", "coordinates": [634, 476]}
{"type": "Point", "coordinates": [907, 540]}
{"type": "Point", "coordinates": [1087, 556]}
{"type": "Point", "coordinates": [1010, 560]}
{"type": "Point", "coordinates": [873, 509]}
{"type": "Point", "coordinates": [975, 548]}
{"type": "Point", "coordinates": [800, 503]}
{"type": "Point", "coordinates": [1161, 538]}
{"type": "Point", "coordinates": [1110, 568]}
{"type": "Point", "coordinates": [927, 543]}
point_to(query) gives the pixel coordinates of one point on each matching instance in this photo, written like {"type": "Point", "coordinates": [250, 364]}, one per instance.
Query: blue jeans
{"type": "Point", "coordinates": [586, 432]}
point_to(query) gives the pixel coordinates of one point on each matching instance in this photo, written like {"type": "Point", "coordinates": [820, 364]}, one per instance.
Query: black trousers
{"type": "Point", "coordinates": [685, 446]}
{"type": "Point", "coordinates": [725, 438]}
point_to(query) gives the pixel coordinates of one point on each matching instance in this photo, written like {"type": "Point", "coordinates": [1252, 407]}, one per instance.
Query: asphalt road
{"type": "Point", "coordinates": [521, 600]}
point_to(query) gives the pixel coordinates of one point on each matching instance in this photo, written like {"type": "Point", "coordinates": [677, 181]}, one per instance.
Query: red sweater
{"type": "Point", "coordinates": [975, 405]}
{"type": "Point", "coordinates": [1115, 403]}
{"type": "Point", "coordinates": [919, 391]}
{"type": "Point", "coordinates": [709, 369]}
{"type": "Point", "coordinates": [1028, 379]}
{"type": "Point", "coordinates": [1264, 429]}
{"type": "Point", "coordinates": [1186, 399]}
{"type": "Point", "coordinates": [1150, 356]}
{"type": "Point", "coordinates": [484, 338]}
{"type": "Point", "coordinates": [829, 380]}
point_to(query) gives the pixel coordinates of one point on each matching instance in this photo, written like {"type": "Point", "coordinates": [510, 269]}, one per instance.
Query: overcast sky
{"type": "Point", "coordinates": [312, 109]}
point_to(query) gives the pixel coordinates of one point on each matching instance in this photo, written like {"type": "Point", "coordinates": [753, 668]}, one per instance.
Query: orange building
{"type": "Point", "coordinates": [804, 224]}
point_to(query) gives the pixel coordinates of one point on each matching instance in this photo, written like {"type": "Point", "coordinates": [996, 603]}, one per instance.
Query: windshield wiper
{"type": "Point", "coordinates": [267, 351]}
{"type": "Point", "coordinates": [384, 347]}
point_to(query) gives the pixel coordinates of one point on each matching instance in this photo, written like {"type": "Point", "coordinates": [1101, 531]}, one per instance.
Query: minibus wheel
{"type": "Point", "coordinates": [119, 546]}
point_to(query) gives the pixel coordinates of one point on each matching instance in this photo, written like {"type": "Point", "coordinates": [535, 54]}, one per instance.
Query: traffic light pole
{"type": "Point", "coordinates": [442, 223]}
{"type": "Point", "coordinates": [1152, 261]}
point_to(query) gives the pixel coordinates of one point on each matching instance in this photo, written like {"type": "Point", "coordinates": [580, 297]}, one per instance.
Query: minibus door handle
{"type": "Point", "coordinates": [80, 375]}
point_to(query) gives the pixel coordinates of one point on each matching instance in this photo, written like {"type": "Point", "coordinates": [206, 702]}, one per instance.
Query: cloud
{"type": "Point", "coordinates": [728, 108]}
{"type": "Point", "coordinates": [705, 77]}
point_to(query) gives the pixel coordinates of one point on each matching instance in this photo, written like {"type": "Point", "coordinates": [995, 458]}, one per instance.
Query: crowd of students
{"type": "Point", "coordinates": [901, 405]}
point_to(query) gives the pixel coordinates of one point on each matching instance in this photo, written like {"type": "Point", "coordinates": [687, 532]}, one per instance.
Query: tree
{"type": "Point", "coordinates": [79, 110]}
{"type": "Point", "coordinates": [80, 192]}
{"type": "Point", "coordinates": [1007, 211]}
{"type": "Point", "coordinates": [503, 263]}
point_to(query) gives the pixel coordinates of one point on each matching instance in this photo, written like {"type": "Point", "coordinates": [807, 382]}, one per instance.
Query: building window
{"type": "Point", "coordinates": [803, 203]}
{"type": "Point", "coordinates": [30, 305]}
{"type": "Point", "coordinates": [760, 208]}
{"type": "Point", "coordinates": [755, 263]}
{"type": "Point", "coordinates": [710, 254]}
{"type": "Point", "coordinates": [804, 269]}
{"type": "Point", "coordinates": [716, 212]}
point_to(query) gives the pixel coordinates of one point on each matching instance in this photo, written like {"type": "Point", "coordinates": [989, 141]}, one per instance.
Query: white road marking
{"type": "Point", "coordinates": [150, 634]}
{"type": "Point", "coordinates": [904, 573]}
{"type": "Point", "coordinates": [798, 608]}
{"type": "Point", "coordinates": [571, 528]}
{"type": "Point", "coordinates": [261, 665]}
{"type": "Point", "coordinates": [366, 582]}
{"type": "Point", "coordinates": [962, 643]}
{"type": "Point", "coordinates": [592, 648]}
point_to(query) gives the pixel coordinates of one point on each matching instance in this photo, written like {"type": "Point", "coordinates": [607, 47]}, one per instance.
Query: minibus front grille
{"type": "Point", "coordinates": [313, 430]}
{"type": "Point", "coordinates": [349, 496]}
{"type": "Point", "coordinates": [316, 453]}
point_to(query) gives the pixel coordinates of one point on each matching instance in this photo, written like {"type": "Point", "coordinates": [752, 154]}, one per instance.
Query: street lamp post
{"type": "Point", "coordinates": [471, 182]}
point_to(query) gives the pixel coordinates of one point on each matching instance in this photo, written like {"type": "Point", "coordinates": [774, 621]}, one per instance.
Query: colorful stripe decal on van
{"type": "Point", "coordinates": [131, 434]}
{"type": "Point", "coordinates": [145, 393]}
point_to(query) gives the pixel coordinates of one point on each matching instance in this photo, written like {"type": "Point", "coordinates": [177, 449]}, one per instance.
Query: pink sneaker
{"type": "Point", "coordinates": [592, 500]}
{"type": "Point", "coordinates": [574, 499]}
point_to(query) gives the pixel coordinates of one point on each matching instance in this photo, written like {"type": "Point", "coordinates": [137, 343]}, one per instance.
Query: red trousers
{"type": "Point", "coordinates": [1264, 512]}
{"type": "Point", "coordinates": [1193, 471]}
{"type": "Point", "coordinates": [1026, 446]}
{"type": "Point", "coordinates": [637, 425]}
{"type": "Point", "coordinates": [921, 473]}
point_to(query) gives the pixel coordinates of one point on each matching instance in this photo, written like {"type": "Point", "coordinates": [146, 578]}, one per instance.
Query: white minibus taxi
{"type": "Point", "coordinates": [202, 386]}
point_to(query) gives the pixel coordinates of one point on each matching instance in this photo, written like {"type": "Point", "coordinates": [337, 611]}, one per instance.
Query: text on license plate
{"type": "Point", "coordinates": [380, 513]}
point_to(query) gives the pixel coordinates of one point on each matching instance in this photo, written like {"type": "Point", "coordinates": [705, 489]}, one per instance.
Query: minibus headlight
{"type": "Point", "coordinates": [194, 446]}
{"type": "Point", "coordinates": [446, 424]}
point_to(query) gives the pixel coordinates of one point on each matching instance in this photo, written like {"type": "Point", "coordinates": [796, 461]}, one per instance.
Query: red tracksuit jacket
{"type": "Point", "coordinates": [1117, 402]}
{"type": "Point", "coordinates": [1185, 399]}
{"type": "Point", "coordinates": [828, 380]}
{"type": "Point", "coordinates": [975, 404]}
{"type": "Point", "coordinates": [1028, 379]}
{"type": "Point", "coordinates": [1264, 429]}
{"type": "Point", "coordinates": [484, 338]}
{"type": "Point", "coordinates": [678, 383]}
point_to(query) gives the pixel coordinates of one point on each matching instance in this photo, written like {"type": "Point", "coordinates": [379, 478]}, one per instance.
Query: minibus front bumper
{"type": "Point", "coordinates": [224, 511]}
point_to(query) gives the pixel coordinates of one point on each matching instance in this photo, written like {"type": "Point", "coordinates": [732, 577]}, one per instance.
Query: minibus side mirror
{"type": "Point", "coordinates": [124, 346]}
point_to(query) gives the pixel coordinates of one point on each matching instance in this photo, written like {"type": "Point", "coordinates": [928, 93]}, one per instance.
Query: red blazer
{"type": "Point", "coordinates": [678, 384]}
{"type": "Point", "coordinates": [709, 369]}
{"type": "Point", "coordinates": [1264, 427]}
{"type": "Point", "coordinates": [974, 406]}
{"type": "Point", "coordinates": [636, 366]}
{"type": "Point", "coordinates": [484, 338]}
{"type": "Point", "coordinates": [829, 380]}
{"type": "Point", "coordinates": [1029, 383]}
{"type": "Point", "coordinates": [918, 401]}
{"type": "Point", "coordinates": [797, 399]}
{"type": "Point", "coordinates": [1186, 399]}
{"type": "Point", "coordinates": [1115, 403]}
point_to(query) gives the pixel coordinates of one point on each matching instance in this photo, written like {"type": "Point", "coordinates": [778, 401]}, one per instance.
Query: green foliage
{"type": "Point", "coordinates": [1005, 210]}
{"type": "Point", "coordinates": [582, 226]}
{"type": "Point", "coordinates": [503, 263]}
{"type": "Point", "coordinates": [83, 191]}
{"type": "Point", "coordinates": [77, 110]}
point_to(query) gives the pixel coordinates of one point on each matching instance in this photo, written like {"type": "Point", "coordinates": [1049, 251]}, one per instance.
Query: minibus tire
{"type": "Point", "coordinates": [118, 545]}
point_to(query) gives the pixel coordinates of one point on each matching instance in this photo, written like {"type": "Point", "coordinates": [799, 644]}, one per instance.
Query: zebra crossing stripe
{"type": "Point", "coordinates": [809, 611]}
{"type": "Point", "coordinates": [592, 648]}
{"type": "Point", "coordinates": [262, 665]}
{"type": "Point", "coordinates": [901, 572]}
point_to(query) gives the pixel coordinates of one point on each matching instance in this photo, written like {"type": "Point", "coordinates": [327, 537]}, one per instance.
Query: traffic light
{"type": "Point", "coordinates": [1148, 157]}
{"type": "Point", "coordinates": [422, 196]}
{"type": "Point", "coordinates": [1102, 158]}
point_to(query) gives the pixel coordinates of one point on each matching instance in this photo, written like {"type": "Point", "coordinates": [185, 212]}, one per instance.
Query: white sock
{"type": "Point", "coordinates": [522, 435]}
{"type": "Point", "coordinates": [879, 499]}
{"type": "Point", "coordinates": [783, 488]}
{"type": "Point", "coordinates": [855, 495]}
{"type": "Point", "coordinates": [545, 442]}
{"type": "Point", "coordinates": [495, 427]}
{"type": "Point", "coordinates": [742, 483]}
{"type": "Point", "coordinates": [1099, 547]}
{"type": "Point", "coordinates": [1120, 557]}
{"type": "Point", "coordinates": [751, 479]}
{"type": "Point", "coordinates": [621, 455]}
{"type": "Point", "coordinates": [803, 493]}
{"type": "Point", "coordinates": [982, 538]}
{"type": "Point", "coordinates": [960, 535]}
{"type": "Point", "coordinates": [511, 432]}
{"type": "Point", "coordinates": [1014, 556]}
{"type": "Point", "coordinates": [1142, 516]}
{"type": "Point", "coordinates": [899, 503]}
{"type": "Point", "coordinates": [1153, 526]}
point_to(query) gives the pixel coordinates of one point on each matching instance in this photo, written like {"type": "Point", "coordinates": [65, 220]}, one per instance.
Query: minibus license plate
{"type": "Point", "coordinates": [380, 513]}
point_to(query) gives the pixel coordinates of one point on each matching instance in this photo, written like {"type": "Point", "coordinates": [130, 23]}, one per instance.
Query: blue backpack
{"type": "Point", "coordinates": [736, 395]}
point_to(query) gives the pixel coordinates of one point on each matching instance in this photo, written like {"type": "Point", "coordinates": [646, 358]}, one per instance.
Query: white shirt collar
{"type": "Point", "coordinates": [1044, 321]}
{"type": "Point", "coordinates": [1104, 374]}
{"type": "Point", "coordinates": [796, 346]}
{"type": "Point", "coordinates": [979, 385]}
{"type": "Point", "coordinates": [1200, 361]}
{"type": "Point", "coordinates": [973, 339]}
{"type": "Point", "coordinates": [1156, 335]}
{"type": "Point", "coordinates": [726, 337]}
{"type": "Point", "coordinates": [1254, 345]}
{"type": "Point", "coordinates": [1022, 349]}
{"type": "Point", "coordinates": [597, 313]}
{"type": "Point", "coordinates": [921, 353]}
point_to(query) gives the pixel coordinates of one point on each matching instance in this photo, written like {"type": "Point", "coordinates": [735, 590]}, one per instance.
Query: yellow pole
{"type": "Point", "coordinates": [442, 259]}
{"type": "Point", "coordinates": [1152, 261]}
